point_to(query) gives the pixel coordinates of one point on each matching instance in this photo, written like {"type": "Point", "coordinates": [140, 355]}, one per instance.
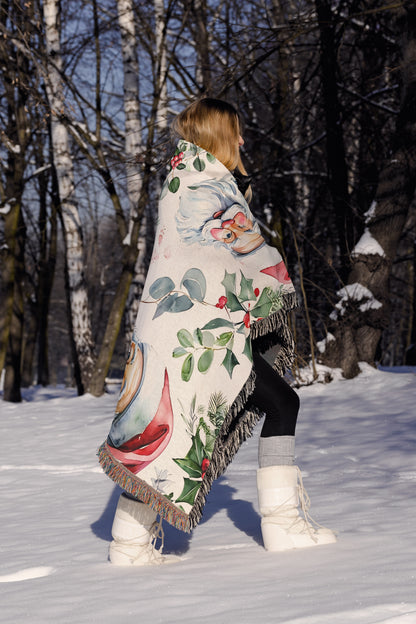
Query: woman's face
{"type": "Point", "coordinates": [240, 141]}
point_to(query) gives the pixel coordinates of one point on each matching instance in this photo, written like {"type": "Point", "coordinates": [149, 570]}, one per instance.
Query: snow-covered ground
{"type": "Point", "coordinates": [356, 447]}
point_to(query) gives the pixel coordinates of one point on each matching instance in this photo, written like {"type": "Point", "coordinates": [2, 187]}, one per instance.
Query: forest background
{"type": "Point", "coordinates": [88, 88]}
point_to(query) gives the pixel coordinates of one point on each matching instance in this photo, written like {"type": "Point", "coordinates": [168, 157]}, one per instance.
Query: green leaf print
{"type": "Point", "coordinates": [233, 303]}
{"type": "Point", "coordinates": [161, 287]}
{"type": "Point", "coordinates": [210, 158]}
{"type": "Point", "coordinates": [218, 322]}
{"type": "Point", "coordinates": [181, 304]}
{"type": "Point", "coordinates": [205, 360]}
{"type": "Point", "coordinates": [174, 184]}
{"type": "Point", "coordinates": [224, 338]}
{"type": "Point", "coordinates": [230, 362]}
{"type": "Point", "coordinates": [210, 439]}
{"type": "Point", "coordinates": [208, 339]}
{"type": "Point", "coordinates": [264, 304]}
{"type": "Point", "coordinates": [190, 467]}
{"type": "Point", "coordinates": [165, 305]}
{"type": "Point", "coordinates": [189, 492]}
{"type": "Point", "coordinates": [229, 282]}
{"type": "Point", "coordinates": [247, 349]}
{"type": "Point", "coordinates": [195, 283]}
{"type": "Point", "coordinates": [198, 335]}
{"type": "Point", "coordinates": [198, 164]}
{"type": "Point", "coordinates": [187, 367]}
{"type": "Point", "coordinates": [246, 289]}
{"type": "Point", "coordinates": [179, 352]}
{"type": "Point", "coordinates": [185, 338]}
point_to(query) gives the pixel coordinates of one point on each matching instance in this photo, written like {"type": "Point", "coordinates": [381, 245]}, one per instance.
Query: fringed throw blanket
{"type": "Point", "coordinates": [213, 287]}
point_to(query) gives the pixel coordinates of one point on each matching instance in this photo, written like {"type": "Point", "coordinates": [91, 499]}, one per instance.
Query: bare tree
{"type": "Point", "coordinates": [77, 290]}
{"type": "Point", "coordinates": [362, 310]}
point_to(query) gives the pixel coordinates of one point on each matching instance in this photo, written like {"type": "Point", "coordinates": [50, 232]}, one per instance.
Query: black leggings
{"type": "Point", "coordinates": [273, 396]}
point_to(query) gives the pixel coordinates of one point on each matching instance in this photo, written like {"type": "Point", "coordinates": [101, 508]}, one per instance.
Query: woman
{"type": "Point", "coordinates": [216, 296]}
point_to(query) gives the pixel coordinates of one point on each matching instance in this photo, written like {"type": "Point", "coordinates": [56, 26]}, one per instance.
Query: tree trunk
{"type": "Point", "coordinates": [133, 149]}
{"type": "Point", "coordinates": [131, 100]}
{"type": "Point", "coordinates": [47, 263]}
{"type": "Point", "coordinates": [12, 379]}
{"type": "Point", "coordinates": [362, 311]}
{"type": "Point", "coordinates": [203, 74]}
{"type": "Point", "coordinates": [79, 306]}
{"type": "Point", "coordinates": [137, 189]}
{"type": "Point", "coordinates": [335, 149]}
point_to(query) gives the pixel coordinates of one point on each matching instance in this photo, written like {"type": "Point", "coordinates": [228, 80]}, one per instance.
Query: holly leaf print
{"type": "Point", "coordinates": [189, 492]}
{"type": "Point", "coordinates": [247, 349]}
{"type": "Point", "coordinates": [246, 289]}
{"type": "Point", "coordinates": [230, 362]}
{"type": "Point", "coordinates": [218, 322]}
{"type": "Point", "coordinates": [228, 282]}
{"type": "Point", "coordinates": [196, 453]}
{"type": "Point", "coordinates": [264, 304]}
{"type": "Point", "coordinates": [190, 467]}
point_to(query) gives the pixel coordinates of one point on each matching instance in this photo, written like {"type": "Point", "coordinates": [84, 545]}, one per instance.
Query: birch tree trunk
{"type": "Point", "coordinates": [362, 310]}
{"type": "Point", "coordinates": [137, 188]}
{"type": "Point", "coordinates": [133, 148]}
{"type": "Point", "coordinates": [145, 241]}
{"type": "Point", "coordinates": [78, 296]}
{"type": "Point", "coordinates": [203, 75]}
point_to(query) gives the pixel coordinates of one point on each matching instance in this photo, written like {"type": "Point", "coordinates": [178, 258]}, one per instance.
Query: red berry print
{"type": "Point", "coordinates": [256, 292]}
{"type": "Point", "coordinates": [174, 162]}
{"type": "Point", "coordinates": [246, 319]}
{"type": "Point", "coordinates": [222, 302]}
{"type": "Point", "coordinates": [204, 466]}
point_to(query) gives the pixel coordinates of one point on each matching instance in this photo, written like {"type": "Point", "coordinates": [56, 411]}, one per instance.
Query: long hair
{"type": "Point", "coordinates": [215, 126]}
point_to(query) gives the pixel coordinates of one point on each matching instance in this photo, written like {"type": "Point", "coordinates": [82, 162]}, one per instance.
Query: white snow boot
{"type": "Point", "coordinates": [280, 491]}
{"type": "Point", "coordinates": [135, 532]}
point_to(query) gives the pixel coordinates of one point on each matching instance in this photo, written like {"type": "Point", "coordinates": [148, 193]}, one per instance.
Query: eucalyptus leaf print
{"type": "Point", "coordinates": [168, 299]}
{"type": "Point", "coordinates": [161, 287]}
{"type": "Point", "coordinates": [195, 283]}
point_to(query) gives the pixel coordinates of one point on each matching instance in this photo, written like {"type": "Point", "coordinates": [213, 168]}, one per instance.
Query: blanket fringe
{"type": "Point", "coordinates": [237, 427]}
{"type": "Point", "coordinates": [140, 490]}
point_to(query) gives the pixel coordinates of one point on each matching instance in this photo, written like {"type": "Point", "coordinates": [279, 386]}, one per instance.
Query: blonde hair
{"type": "Point", "coordinates": [214, 125]}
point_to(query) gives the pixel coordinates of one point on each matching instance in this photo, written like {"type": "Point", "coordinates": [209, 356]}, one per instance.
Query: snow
{"type": "Point", "coordinates": [5, 209]}
{"type": "Point", "coordinates": [367, 245]}
{"type": "Point", "coordinates": [356, 447]}
{"type": "Point", "coordinates": [370, 212]}
{"type": "Point", "coordinates": [322, 344]}
{"type": "Point", "coordinates": [357, 292]}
